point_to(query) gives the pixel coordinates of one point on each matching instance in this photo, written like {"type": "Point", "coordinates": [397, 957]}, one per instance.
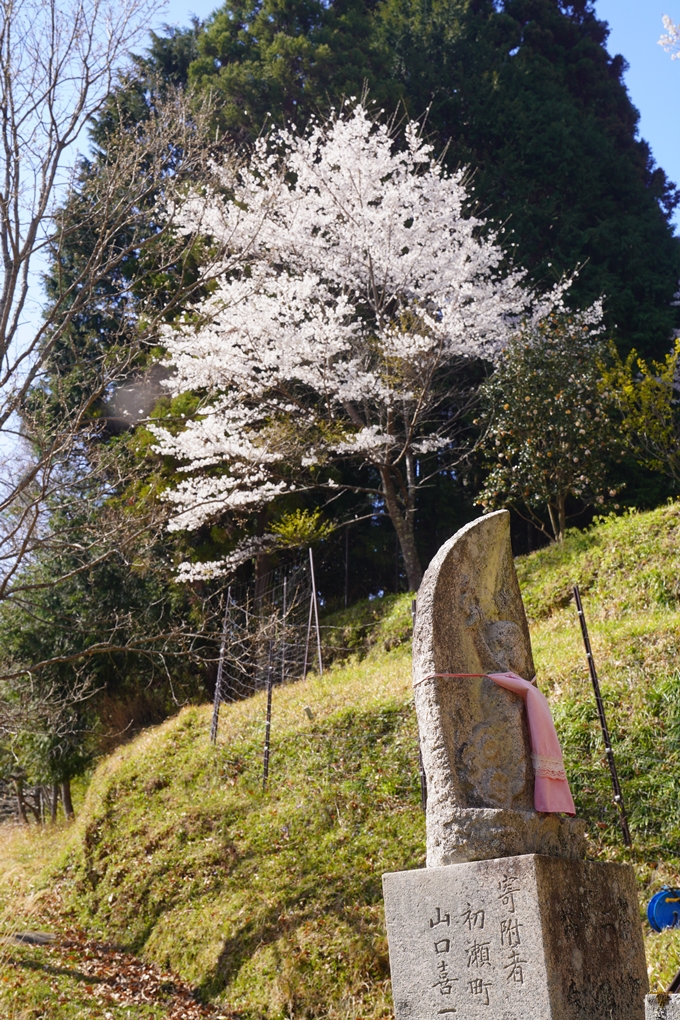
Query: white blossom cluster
{"type": "Point", "coordinates": [362, 280]}
{"type": "Point", "coordinates": [671, 39]}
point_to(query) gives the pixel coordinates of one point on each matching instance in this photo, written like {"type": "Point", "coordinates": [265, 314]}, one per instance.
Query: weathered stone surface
{"type": "Point", "coordinates": [521, 938]}
{"type": "Point", "coordinates": [662, 1007]}
{"type": "Point", "coordinates": [474, 737]}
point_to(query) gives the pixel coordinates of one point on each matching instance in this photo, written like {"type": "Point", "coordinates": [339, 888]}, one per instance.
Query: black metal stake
{"type": "Point", "coordinates": [268, 724]}
{"type": "Point", "coordinates": [421, 767]}
{"type": "Point", "coordinates": [423, 780]}
{"type": "Point", "coordinates": [618, 797]}
{"type": "Point", "coordinates": [220, 670]}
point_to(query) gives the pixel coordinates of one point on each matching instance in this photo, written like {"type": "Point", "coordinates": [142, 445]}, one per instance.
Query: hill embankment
{"type": "Point", "coordinates": [269, 902]}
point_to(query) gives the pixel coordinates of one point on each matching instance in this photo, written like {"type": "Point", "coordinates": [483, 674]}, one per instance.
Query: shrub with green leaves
{"type": "Point", "coordinates": [648, 395]}
{"type": "Point", "coordinates": [549, 434]}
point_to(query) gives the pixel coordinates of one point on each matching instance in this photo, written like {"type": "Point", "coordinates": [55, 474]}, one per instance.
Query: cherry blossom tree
{"type": "Point", "coordinates": [365, 289]}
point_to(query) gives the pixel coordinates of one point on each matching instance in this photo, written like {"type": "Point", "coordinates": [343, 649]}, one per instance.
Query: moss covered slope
{"type": "Point", "coordinates": [628, 569]}
{"type": "Point", "coordinates": [269, 901]}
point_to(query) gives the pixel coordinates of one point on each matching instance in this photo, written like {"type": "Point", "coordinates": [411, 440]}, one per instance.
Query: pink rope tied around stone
{"type": "Point", "coordinates": [551, 787]}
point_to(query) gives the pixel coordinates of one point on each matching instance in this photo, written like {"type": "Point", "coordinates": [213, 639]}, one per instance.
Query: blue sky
{"type": "Point", "coordinates": [653, 79]}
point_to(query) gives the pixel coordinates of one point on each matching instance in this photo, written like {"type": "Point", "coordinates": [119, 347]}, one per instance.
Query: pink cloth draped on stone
{"type": "Point", "coordinates": [551, 787]}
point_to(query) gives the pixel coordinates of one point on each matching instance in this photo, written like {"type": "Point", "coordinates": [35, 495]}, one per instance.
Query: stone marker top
{"type": "Point", "coordinates": [470, 616]}
{"type": "Point", "coordinates": [474, 736]}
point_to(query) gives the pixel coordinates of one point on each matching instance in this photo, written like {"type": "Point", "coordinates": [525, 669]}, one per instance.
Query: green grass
{"type": "Point", "coordinates": [370, 625]}
{"type": "Point", "coordinates": [623, 564]}
{"type": "Point", "coordinates": [271, 900]}
{"type": "Point", "coordinates": [270, 903]}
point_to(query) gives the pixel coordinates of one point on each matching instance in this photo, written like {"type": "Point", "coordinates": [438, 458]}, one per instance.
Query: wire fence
{"type": "Point", "coordinates": [270, 634]}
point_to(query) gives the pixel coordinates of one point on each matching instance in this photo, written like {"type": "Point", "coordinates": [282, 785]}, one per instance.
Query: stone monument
{"type": "Point", "coordinates": [507, 921]}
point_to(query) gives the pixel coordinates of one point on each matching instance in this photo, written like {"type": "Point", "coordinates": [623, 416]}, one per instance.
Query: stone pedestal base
{"type": "Point", "coordinates": [516, 938]}
{"type": "Point", "coordinates": [662, 1007]}
{"type": "Point", "coordinates": [460, 835]}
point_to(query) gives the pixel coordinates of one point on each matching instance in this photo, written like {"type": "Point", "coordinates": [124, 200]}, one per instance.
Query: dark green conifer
{"type": "Point", "coordinates": [288, 59]}
{"type": "Point", "coordinates": [522, 91]}
{"type": "Point", "coordinates": [529, 97]}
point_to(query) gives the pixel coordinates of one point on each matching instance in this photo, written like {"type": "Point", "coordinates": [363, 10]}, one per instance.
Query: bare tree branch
{"type": "Point", "coordinates": [57, 77]}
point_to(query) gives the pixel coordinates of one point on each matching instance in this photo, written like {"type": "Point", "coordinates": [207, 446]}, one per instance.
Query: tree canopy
{"type": "Point", "coordinates": [549, 431]}
{"type": "Point", "coordinates": [522, 91]}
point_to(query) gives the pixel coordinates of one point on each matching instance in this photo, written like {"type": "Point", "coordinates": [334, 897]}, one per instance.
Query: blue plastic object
{"type": "Point", "coordinates": [664, 909]}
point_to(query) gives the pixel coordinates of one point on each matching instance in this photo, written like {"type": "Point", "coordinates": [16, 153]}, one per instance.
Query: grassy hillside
{"type": "Point", "coordinates": [269, 903]}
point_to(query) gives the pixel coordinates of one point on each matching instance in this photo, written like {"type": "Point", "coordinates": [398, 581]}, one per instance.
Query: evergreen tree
{"type": "Point", "coordinates": [529, 97]}
{"type": "Point", "coordinates": [547, 417]}
{"type": "Point", "coordinates": [289, 59]}
{"type": "Point", "coordinates": [89, 655]}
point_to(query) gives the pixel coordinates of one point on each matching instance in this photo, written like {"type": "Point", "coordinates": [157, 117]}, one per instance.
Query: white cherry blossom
{"type": "Point", "coordinates": [671, 38]}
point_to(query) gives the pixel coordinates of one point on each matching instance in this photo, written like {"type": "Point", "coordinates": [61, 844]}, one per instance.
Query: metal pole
{"type": "Point", "coordinates": [421, 767]}
{"type": "Point", "coordinates": [618, 797]}
{"type": "Point", "coordinates": [316, 612]}
{"type": "Point", "coordinates": [309, 631]}
{"type": "Point", "coordinates": [423, 780]}
{"type": "Point", "coordinates": [220, 669]}
{"type": "Point", "coordinates": [268, 724]}
{"type": "Point", "coordinates": [283, 630]}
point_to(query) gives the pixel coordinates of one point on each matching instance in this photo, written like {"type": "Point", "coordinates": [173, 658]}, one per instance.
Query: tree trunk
{"type": "Point", "coordinates": [34, 808]}
{"type": "Point", "coordinates": [553, 522]}
{"type": "Point", "coordinates": [404, 529]}
{"type": "Point", "coordinates": [54, 803]}
{"type": "Point", "coordinates": [21, 803]}
{"type": "Point", "coordinates": [66, 800]}
{"type": "Point", "coordinates": [346, 566]}
{"type": "Point", "coordinates": [562, 516]}
{"type": "Point", "coordinates": [558, 517]}
{"type": "Point", "coordinates": [263, 561]}
{"type": "Point", "coordinates": [411, 488]}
